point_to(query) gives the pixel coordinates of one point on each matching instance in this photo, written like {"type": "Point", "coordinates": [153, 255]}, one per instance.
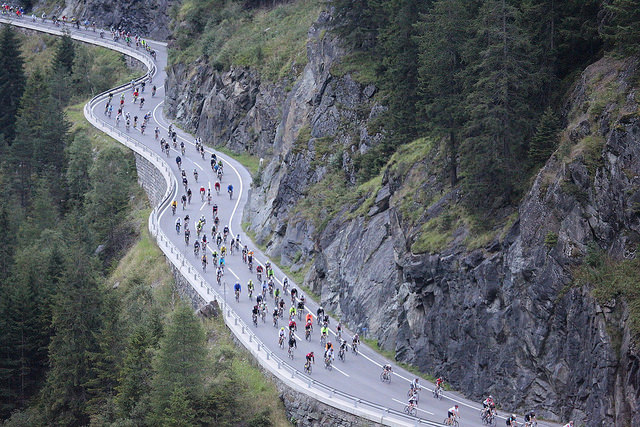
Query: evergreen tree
{"type": "Point", "coordinates": [64, 56]}
{"type": "Point", "coordinates": [109, 197]}
{"type": "Point", "coordinates": [76, 317]}
{"type": "Point", "coordinates": [442, 36]}
{"type": "Point", "coordinates": [134, 380]}
{"type": "Point", "coordinates": [12, 81]}
{"type": "Point", "coordinates": [179, 364]}
{"type": "Point", "coordinates": [624, 29]}
{"type": "Point", "coordinates": [358, 22]}
{"type": "Point", "coordinates": [41, 136]}
{"type": "Point", "coordinates": [80, 160]}
{"type": "Point", "coordinates": [499, 114]}
{"type": "Point", "coordinates": [7, 239]}
{"type": "Point", "coordinates": [545, 139]}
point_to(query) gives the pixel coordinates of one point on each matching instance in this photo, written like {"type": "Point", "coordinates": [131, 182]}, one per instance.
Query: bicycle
{"type": "Point", "coordinates": [254, 318]}
{"type": "Point", "coordinates": [327, 363]}
{"type": "Point", "coordinates": [437, 393]}
{"type": "Point", "coordinates": [411, 410]}
{"type": "Point", "coordinates": [237, 296]}
{"type": "Point", "coordinates": [488, 418]}
{"type": "Point", "coordinates": [290, 353]}
{"type": "Point", "coordinates": [451, 422]}
{"type": "Point", "coordinates": [385, 377]}
{"type": "Point", "coordinates": [281, 341]}
{"type": "Point", "coordinates": [354, 348]}
{"type": "Point", "coordinates": [275, 321]}
{"type": "Point", "coordinates": [307, 335]}
{"type": "Point", "coordinates": [307, 368]}
{"type": "Point", "coordinates": [341, 354]}
{"type": "Point", "coordinates": [323, 340]}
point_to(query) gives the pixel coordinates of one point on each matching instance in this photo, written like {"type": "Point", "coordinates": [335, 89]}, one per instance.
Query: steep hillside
{"type": "Point", "coordinates": [521, 303]}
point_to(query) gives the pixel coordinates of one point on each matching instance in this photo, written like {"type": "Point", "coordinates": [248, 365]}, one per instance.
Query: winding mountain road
{"type": "Point", "coordinates": [353, 384]}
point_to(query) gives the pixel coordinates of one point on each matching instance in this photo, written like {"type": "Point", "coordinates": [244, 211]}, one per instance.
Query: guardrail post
{"type": "Point", "coordinates": [309, 384]}
{"type": "Point", "coordinates": [236, 319]}
{"type": "Point", "coordinates": [268, 355]}
{"type": "Point", "coordinates": [243, 329]}
{"type": "Point", "coordinates": [278, 364]}
{"type": "Point", "coordinates": [250, 338]}
{"type": "Point", "coordinates": [258, 346]}
{"type": "Point", "coordinates": [356, 403]}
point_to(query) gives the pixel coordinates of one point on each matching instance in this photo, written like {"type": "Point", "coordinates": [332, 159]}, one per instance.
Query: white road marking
{"type": "Point", "coordinates": [339, 370]}
{"type": "Point", "coordinates": [203, 205]}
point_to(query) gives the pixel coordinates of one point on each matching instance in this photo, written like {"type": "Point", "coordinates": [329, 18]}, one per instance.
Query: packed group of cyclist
{"type": "Point", "coordinates": [224, 244]}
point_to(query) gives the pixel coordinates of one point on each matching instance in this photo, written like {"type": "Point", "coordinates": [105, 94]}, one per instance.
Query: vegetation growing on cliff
{"type": "Point", "coordinates": [228, 32]}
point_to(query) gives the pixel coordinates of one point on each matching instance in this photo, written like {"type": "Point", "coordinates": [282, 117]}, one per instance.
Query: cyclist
{"type": "Point", "coordinates": [292, 312]}
{"type": "Point", "coordinates": [281, 335]}
{"type": "Point", "coordinates": [413, 402]}
{"type": "Point", "coordinates": [453, 413]}
{"type": "Point", "coordinates": [320, 313]}
{"type": "Point", "coordinates": [237, 288]}
{"type": "Point", "coordinates": [294, 294]}
{"type": "Point", "coordinates": [174, 205]}
{"type": "Point", "coordinates": [569, 424]}
{"type": "Point", "coordinates": [254, 314]}
{"type": "Point", "coordinates": [530, 418]}
{"type": "Point", "coordinates": [230, 191]}
{"type": "Point", "coordinates": [301, 304]}
{"type": "Point", "coordinates": [339, 329]}
{"type": "Point", "coordinates": [292, 327]}
{"type": "Point", "coordinates": [178, 225]}
{"type": "Point", "coordinates": [204, 262]}
{"type": "Point", "coordinates": [343, 347]}
{"type": "Point", "coordinates": [307, 328]}
{"type": "Point", "coordinates": [178, 161]}
{"type": "Point", "coordinates": [276, 294]}
{"type": "Point", "coordinates": [309, 319]}
{"type": "Point", "coordinates": [324, 332]}
{"type": "Point", "coordinates": [328, 347]}
{"type": "Point", "coordinates": [250, 287]}
{"type": "Point", "coordinates": [415, 386]}
{"type": "Point", "coordinates": [488, 402]}
{"type": "Point", "coordinates": [187, 234]}
{"type": "Point", "coordinates": [259, 270]}
{"type": "Point", "coordinates": [292, 342]}
{"type": "Point", "coordinates": [275, 316]}
{"type": "Point", "coordinates": [285, 285]}
{"type": "Point", "coordinates": [310, 358]}
{"type": "Point", "coordinates": [196, 248]}
{"type": "Point", "coordinates": [512, 421]}
{"type": "Point", "coordinates": [387, 369]}
{"type": "Point", "coordinates": [439, 382]}
{"type": "Point", "coordinates": [328, 355]}
{"type": "Point", "coordinates": [355, 342]}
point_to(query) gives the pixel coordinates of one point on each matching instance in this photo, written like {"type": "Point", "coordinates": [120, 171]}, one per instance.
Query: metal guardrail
{"type": "Point", "coordinates": [267, 358]}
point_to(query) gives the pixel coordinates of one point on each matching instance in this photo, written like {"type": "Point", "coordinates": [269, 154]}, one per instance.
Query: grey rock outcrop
{"type": "Point", "coordinates": [506, 319]}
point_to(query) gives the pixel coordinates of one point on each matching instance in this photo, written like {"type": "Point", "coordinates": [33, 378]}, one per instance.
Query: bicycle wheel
{"type": "Point", "coordinates": [382, 376]}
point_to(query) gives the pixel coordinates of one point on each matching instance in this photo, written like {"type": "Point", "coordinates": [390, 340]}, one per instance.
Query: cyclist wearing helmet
{"type": "Point", "coordinates": [453, 413]}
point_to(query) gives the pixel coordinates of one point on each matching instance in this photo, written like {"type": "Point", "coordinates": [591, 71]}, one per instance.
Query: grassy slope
{"type": "Point", "coordinates": [272, 41]}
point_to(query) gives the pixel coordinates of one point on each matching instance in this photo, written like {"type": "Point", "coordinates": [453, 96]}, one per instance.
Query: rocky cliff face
{"type": "Point", "coordinates": [504, 319]}
{"type": "Point", "coordinates": [149, 18]}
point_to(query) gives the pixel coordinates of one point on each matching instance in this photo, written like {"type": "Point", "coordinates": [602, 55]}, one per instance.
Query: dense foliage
{"type": "Point", "coordinates": [480, 74]}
